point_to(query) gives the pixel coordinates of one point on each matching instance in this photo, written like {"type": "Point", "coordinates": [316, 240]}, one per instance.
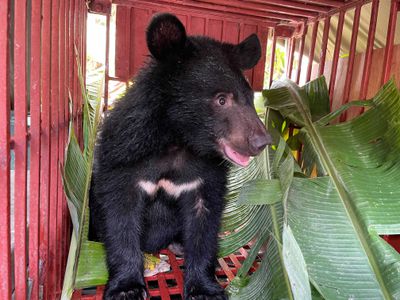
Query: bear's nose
{"type": "Point", "coordinates": [258, 141]}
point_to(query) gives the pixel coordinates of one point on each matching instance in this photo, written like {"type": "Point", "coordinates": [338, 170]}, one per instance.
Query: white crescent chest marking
{"type": "Point", "coordinates": [172, 189]}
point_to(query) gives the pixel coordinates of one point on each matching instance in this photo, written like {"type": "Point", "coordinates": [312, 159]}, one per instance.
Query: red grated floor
{"type": "Point", "coordinates": [169, 285]}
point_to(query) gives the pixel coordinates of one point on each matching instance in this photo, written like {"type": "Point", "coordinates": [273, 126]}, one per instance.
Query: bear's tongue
{"type": "Point", "coordinates": [236, 157]}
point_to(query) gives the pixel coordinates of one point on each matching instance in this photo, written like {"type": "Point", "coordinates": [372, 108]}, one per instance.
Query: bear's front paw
{"type": "Point", "coordinates": [138, 293]}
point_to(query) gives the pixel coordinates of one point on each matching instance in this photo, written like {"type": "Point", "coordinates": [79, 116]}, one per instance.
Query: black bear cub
{"type": "Point", "coordinates": [161, 157]}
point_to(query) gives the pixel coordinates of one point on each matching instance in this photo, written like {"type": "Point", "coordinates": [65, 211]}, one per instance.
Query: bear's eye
{"type": "Point", "coordinates": [221, 99]}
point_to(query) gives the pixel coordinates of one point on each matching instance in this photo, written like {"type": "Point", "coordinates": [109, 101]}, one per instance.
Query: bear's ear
{"type": "Point", "coordinates": [247, 53]}
{"type": "Point", "coordinates": [166, 36]}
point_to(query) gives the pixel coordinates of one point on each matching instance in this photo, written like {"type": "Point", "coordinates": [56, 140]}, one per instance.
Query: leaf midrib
{"type": "Point", "coordinates": [274, 217]}
{"type": "Point", "coordinates": [340, 187]}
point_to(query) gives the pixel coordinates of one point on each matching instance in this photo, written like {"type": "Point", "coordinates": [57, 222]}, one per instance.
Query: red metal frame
{"type": "Point", "coordinates": [301, 53]}
{"type": "Point", "coordinates": [325, 37]}
{"type": "Point", "coordinates": [61, 142]}
{"type": "Point", "coordinates": [272, 59]}
{"type": "Point", "coordinates": [291, 57]}
{"type": "Point", "coordinates": [45, 147]}
{"type": "Point", "coordinates": [312, 50]}
{"type": "Point", "coordinates": [107, 62]}
{"type": "Point", "coordinates": [35, 89]}
{"type": "Point", "coordinates": [266, 6]}
{"type": "Point", "coordinates": [54, 94]}
{"type": "Point", "coordinates": [52, 72]}
{"type": "Point", "coordinates": [55, 28]}
{"type": "Point", "coordinates": [387, 62]}
{"type": "Point", "coordinates": [217, 10]}
{"type": "Point", "coordinates": [297, 5]}
{"type": "Point", "coordinates": [5, 253]}
{"type": "Point", "coordinates": [333, 3]}
{"type": "Point", "coordinates": [336, 54]}
{"type": "Point", "coordinates": [20, 149]}
{"type": "Point", "coordinates": [370, 48]}
{"type": "Point", "coordinates": [352, 54]}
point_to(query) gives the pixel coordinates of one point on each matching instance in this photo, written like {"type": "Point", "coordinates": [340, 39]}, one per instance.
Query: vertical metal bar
{"type": "Point", "coordinates": [79, 92]}
{"type": "Point", "coordinates": [75, 79]}
{"type": "Point", "coordinates": [61, 137]}
{"type": "Point", "coordinates": [68, 69]}
{"type": "Point", "coordinates": [324, 45]}
{"type": "Point", "coordinates": [71, 60]}
{"type": "Point", "coordinates": [288, 44]}
{"type": "Point", "coordinates": [34, 196]}
{"type": "Point", "coordinates": [5, 253]}
{"type": "Point", "coordinates": [370, 48]}
{"type": "Point", "coordinates": [352, 54]}
{"type": "Point", "coordinates": [107, 62]}
{"type": "Point", "coordinates": [336, 55]}
{"type": "Point", "coordinates": [71, 73]}
{"type": "Point", "coordinates": [312, 50]}
{"type": "Point", "coordinates": [84, 38]}
{"type": "Point", "coordinates": [291, 57]}
{"type": "Point", "coordinates": [45, 145]}
{"type": "Point", "coordinates": [259, 69]}
{"type": "Point", "coordinates": [54, 166]}
{"type": "Point", "coordinates": [302, 42]}
{"type": "Point", "coordinates": [80, 42]}
{"type": "Point", "coordinates": [272, 62]}
{"type": "Point", "coordinates": [20, 149]}
{"type": "Point", "coordinates": [387, 62]}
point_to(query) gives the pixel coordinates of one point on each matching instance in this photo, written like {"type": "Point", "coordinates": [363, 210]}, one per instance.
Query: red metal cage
{"type": "Point", "coordinates": [38, 72]}
{"type": "Point", "coordinates": [39, 75]}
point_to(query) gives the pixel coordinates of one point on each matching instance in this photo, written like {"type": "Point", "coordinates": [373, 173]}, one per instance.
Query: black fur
{"type": "Point", "coordinates": [169, 126]}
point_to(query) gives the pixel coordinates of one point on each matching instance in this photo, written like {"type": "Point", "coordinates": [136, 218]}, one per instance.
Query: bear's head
{"type": "Point", "coordinates": [208, 101]}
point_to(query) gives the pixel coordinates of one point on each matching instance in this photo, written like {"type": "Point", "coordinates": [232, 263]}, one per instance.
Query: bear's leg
{"type": "Point", "coordinates": [123, 226]}
{"type": "Point", "coordinates": [202, 220]}
{"type": "Point", "coordinates": [161, 225]}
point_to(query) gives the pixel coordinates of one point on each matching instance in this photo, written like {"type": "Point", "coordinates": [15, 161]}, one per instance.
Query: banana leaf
{"type": "Point", "coordinates": [249, 221]}
{"type": "Point", "coordinates": [76, 175]}
{"type": "Point", "coordinates": [337, 218]}
{"type": "Point", "coordinates": [267, 192]}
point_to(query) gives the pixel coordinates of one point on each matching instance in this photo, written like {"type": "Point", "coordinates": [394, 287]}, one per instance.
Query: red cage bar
{"type": "Point", "coordinates": [20, 149]}
{"type": "Point", "coordinates": [61, 142]}
{"type": "Point", "coordinates": [272, 59]}
{"type": "Point", "coordinates": [291, 57]}
{"type": "Point", "coordinates": [370, 48]}
{"type": "Point", "coordinates": [45, 147]}
{"type": "Point", "coordinates": [42, 38]}
{"type": "Point", "coordinates": [35, 89]}
{"type": "Point", "coordinates": [390, 41]}
{"type": "Point", "coordinates": [5, 253]}
{"type": "Point", "coordinates": [54, 94]}
{"type": "Point", "coordinates": [336, 54]}
{"type": "Point", "coordinates": [312, 50]}
{"type": "Point", "coordinates": [40, 70]}
{"type": "Point", "coordinates": [324, 44]}
{"type": "Point", "coordinates": [301, 53]}
{"type": "Point", "coordinates": [352, 54]}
